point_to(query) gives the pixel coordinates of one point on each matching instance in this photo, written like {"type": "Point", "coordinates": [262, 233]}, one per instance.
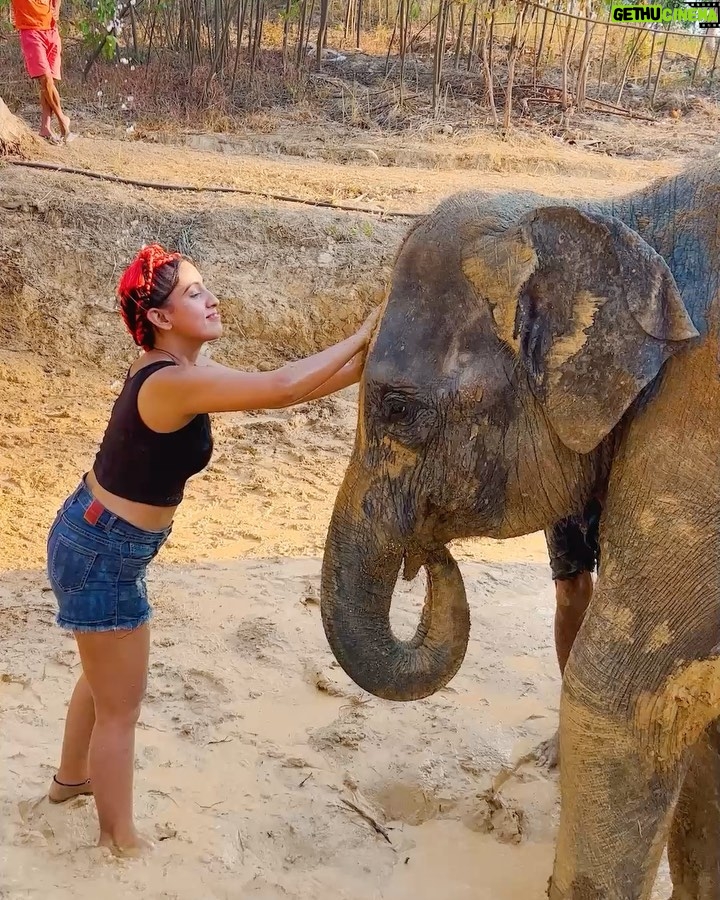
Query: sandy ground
{"type": "Point", "coordinates": [262, 771]}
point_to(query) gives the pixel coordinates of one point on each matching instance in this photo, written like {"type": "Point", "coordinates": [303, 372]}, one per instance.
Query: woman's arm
{"type": "Point", "coordinates": [189, 390]}
{"type": "Point", "coordinates": [349, 374]}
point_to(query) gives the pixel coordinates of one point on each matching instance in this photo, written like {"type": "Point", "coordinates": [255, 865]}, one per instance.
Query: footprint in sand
{"type": "Point", "coordinates": [61, 829]}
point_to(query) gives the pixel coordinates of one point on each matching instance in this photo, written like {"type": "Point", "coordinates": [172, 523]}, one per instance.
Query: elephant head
{"type": "Point", "coordinates": [506, 356]}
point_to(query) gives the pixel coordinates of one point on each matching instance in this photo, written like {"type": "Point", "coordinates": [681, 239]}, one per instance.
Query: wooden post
{"type": "Point", "coordinates": [659, 71]}
{"type": "Point", "coordinates": [697, 61]}
{"type": "Point", "coordinates": [485, 55]}
{"type": "Point", "coordinates": [473, 37]}
{"type": "Point", "coordinates": [567, 48]}
{"type": "Point", "coordinates": [631, 58]}
{"type": "Point", "coordinates": [715, 58]}
{"type": "Point", "coordinates": [552, 33]}
{"type": "Point", "coordinates": [439, 53]}
{"type": "Point", "coordinates": [602, 57]}
{"type": "Point", "coordinates": [540, 48]}
{"type": "Point", "coordinates": [517, 41]}
{"type": "Point", "coordinates": [461, 28]}
{"type": "Point", "coordinates": [403, 46]}
{"type": "Point", "coordinates": [392, 40]}
{"type": "Point", "coordinates": [491, 38]}
{"type": "Point", "coordinates": [584, 64]}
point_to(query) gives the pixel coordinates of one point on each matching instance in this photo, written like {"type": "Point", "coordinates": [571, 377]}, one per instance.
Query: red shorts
{"type": "Point", "coordinates": [41, 49]}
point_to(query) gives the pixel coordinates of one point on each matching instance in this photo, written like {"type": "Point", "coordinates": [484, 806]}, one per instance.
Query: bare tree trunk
{"type": "Point", "coordinates": [238, 42]}
{"type": "Point", "coordinates": [404, 17]}
{"type": "Point", "coordinates": [306, 40]}
{"type": "Point", "coordinates": [715, 58]}
{"type": "Point", "coordinates": [641, 35]}
{"type": "Point", "coordinates": [539, 48]}
{"type": "Point", "coordinates": [133, 26]}
{"type": "Point", "coordinates": [473, 37]}
{"type": "Point", "coordinates": [697, 60]}
{"type": "Point", "coordinates": [439, 52]}
{"type": "Point", "coordinates": [660, 66]}
{"type": "Point", "coordinates": [485, 55]}
{"type": "Point", "coordinates": [348, 19]}
{"type": "Point", "coordinates": [150, 40]}
{"type": "Point", "coordinates": [566, 51]}
{"type": "Point", "coordinates": [322, 32]}
{"type": "Point", "coordinates": [461, 28]}
{"type": "Point", "coordinates": [392, 39]}
{"type": "Point", "coordinates": [491, 39]}
{"type": "Point", "coordinates": [584, 64]}
{"type": "Point", "coordinates": [286, 33]}
{"type": "Point", "coordinates": [602, 55]}
{"type": "Point", "coordinates": [217, 63]}
{"type": "Point", "coordinates": [301, 34]}
{"type": "Point", "coordinates": [650, 61]}
{"type": "Point", "coordinates": [556, 15]}
{"type": "Point", "coordinates": [517, 42]}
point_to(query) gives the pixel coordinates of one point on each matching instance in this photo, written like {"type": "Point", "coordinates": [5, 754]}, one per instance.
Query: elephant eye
{"type": "Point", "coordinates": [398, 410]}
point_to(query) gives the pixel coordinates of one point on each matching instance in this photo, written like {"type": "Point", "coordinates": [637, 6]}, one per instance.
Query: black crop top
{"type": "Point", "coordinates": [149, 466]}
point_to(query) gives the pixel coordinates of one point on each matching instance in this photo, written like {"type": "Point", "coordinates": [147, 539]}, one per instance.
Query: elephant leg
{"type": "Point", "coordinates": [633, 703]}
{"type": "Point", "coordinates": [694, 845]}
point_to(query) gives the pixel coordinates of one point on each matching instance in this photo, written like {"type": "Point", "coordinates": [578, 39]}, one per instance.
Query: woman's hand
{"type": "Point", "coordinates": [367, 329]}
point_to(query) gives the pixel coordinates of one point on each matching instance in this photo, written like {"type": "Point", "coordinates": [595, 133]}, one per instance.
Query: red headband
{"type": "Point", "coordinates": [136, 284]}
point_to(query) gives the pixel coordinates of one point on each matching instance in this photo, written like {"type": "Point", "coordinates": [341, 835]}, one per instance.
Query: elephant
{"type": "Point", "coordinates": [533, 354]}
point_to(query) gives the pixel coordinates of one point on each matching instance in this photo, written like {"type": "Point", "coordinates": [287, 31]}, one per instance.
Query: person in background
{"type": "Point", "coordinates": [116, 520]}
{"type": "Point", "coordinates": [37, 23]}
{"type": "Point", "coordinates": [574, 551]}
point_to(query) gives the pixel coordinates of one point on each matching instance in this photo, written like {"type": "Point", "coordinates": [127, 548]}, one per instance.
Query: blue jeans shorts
{"type": "Point", "coordinates": [96, 564]}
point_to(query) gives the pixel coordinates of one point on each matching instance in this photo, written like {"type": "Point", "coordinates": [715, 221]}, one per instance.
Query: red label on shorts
{"type": "Point", "coordinates": [93, 512]}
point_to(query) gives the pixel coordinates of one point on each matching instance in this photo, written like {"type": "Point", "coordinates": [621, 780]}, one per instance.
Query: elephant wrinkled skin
{"type": "Point", "coordinates": [533, 354]}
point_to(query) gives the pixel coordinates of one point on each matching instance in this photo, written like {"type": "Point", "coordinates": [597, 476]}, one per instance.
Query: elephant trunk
{"type": "Point", "coordinates": [359, 574]}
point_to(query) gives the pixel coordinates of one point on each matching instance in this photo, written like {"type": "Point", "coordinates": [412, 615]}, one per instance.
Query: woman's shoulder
{"type": "Point", "coordinates": [147, 362]}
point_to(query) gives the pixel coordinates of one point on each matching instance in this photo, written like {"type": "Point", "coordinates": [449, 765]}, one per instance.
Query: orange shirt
{"type": "Point", "coordinates": [38, 14]}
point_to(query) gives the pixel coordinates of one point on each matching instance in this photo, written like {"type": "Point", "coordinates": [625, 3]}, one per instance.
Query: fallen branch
{"type": "Point", "coordinates": [368, 818]}
{"type": "Point", "coordinates": [221, 741]}
{"type": "Point", "coordinates": [618, 110]}
{"type": "Point", "coordinates": [604, 110]}
{"type": "Point", "coordinates": [168, 186]}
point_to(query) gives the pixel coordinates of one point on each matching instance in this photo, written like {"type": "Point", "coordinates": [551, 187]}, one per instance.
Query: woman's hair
{"type": "Point", "coordinates": [146, 284]}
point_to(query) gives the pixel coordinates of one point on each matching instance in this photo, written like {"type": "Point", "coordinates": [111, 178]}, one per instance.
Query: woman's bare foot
{"type": "Point", "coordinates": [547, 753]}
{"type": "Point", "coordinates": [129, 847]}
{"type": "Point", "coordinates": [60, 792]}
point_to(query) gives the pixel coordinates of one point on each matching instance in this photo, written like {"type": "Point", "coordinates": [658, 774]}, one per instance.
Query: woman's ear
{"type": "Point", "coordinates": [158, 318]}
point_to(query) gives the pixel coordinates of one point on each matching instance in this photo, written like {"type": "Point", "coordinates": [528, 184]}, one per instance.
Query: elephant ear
{"type": "Point", "coordinates": [595, 313]}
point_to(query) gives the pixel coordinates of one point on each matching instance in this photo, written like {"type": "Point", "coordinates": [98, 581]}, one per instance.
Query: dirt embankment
{"type": "Point", "coordinates": [289, 283]}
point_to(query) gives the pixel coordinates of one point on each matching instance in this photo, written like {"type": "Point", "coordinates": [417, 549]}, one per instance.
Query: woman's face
{"type": "Point", "coordinates": [191, 311]}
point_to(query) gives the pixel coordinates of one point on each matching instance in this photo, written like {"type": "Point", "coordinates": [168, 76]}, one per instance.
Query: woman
{"type": "Point", "coordinates": [121, 513]}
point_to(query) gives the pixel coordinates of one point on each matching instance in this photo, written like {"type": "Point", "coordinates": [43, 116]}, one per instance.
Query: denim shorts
{"type": "Point", "coordinates": [96, 564]}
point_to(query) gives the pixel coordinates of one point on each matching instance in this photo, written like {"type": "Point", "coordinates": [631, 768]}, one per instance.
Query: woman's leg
{"type": "Point", "coordinates": [72, 775]}
{"type": "Point", "coordinates": [115, 664]}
